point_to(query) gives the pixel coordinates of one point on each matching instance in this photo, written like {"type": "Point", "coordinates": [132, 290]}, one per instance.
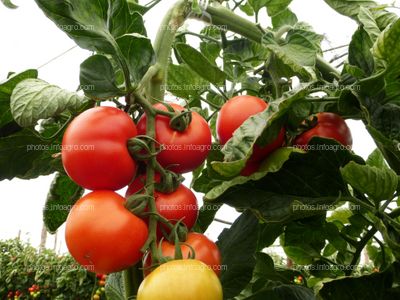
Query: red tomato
{"type": "Point", "coordinates": [180, 204]}
{"type": "Point", "coordinates": [94, 149]}
{"type": "Point", "coordinates": [232, 115]}
{"type": "Point", "coordinates": [250, 168]}
{"type": "Point", "coordinates": [205, 250]}
{"type": "Point", "coordinates": [102, 235]}
{"type": "Point", "coordinates": [329, 125]}
{"type": "Point", "coordinates": [181, 151]}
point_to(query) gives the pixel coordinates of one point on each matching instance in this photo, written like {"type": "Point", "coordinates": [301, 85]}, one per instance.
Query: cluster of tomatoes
{"type": "Point", "coordinates": [34, 292]}
{"type": "Point", "coordinates": [101, 233]}
{"type": "Point", "coordinates": [101, 282]}
{"type": "Point", "coordinates": [238, 109]}
{"type": "Point", "coordinates": [104, 236]}
{"type": "Point", "coordinates": [14, 295]}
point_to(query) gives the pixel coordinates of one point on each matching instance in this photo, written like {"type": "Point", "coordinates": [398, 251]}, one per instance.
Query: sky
{"type": "Point", "coordinates": [30, 40]}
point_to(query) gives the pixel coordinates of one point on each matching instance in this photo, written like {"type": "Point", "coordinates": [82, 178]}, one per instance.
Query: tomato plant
{"type": "Point", "coordinates": [88, 233]}
{"type": "Point", "coordinates": [166, 282]}
{"type": "Point", "coordinates": [259, 92]}
{"type": "Point", "coordinates": [328, 125]}
{"type": "Point", "coordinates": [181, 151]}
{"type": "Point", "coordinates": [46, 274]}
{"type": "Point", "coordinates": [94, 151]}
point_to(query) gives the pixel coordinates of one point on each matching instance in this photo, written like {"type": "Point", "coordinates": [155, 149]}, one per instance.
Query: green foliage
{"type": "Point", "coordinates": [31, 95]}
{"type": "Point", "coordinates": [62, 196]}
{"type": "Point", "coordinates": [59, 277]}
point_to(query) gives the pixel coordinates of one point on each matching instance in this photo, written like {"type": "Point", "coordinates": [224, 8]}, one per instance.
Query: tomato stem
{"type": "Point", "coordinates": [225, 18]}
{"type": "Point", "coordinates": [165, 38]}
{"type": "Point", "coordinates": [132, 279]}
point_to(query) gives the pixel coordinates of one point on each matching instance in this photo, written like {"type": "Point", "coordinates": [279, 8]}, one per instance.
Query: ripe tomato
{"type": "Point", "coordinates": [250, 168]}
{"type": "Point", "coordinates": [181, 151]}
{"type": "Point", "coordinates": [205, 250]}
{"type": "Point", "coordinates": [232, 115]}
{"type": "Point", "coordinates": [94, 149]}
{"type": "Point", "coordinates": [181, 279]}
{"type": "Point", "coordinates": [102, 235]}
{"type": "Point", "coordinates": [329, 125]}
{"type": "Point", "coordinates": [181, 203]}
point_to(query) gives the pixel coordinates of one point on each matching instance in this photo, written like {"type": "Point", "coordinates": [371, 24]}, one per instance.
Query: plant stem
{"type": "Point", "coordinates": [224, 17]}
{"type": "Point", "coordinates": [359, 249]}
{"type": "Point", "coordinates": [201, 36]}
{"type": "Point", "coordinates": [335, 48]}
{"type": "Point", "coordinates": [132, 279]}
{"type": "Point", "coordinates": [174, 19]}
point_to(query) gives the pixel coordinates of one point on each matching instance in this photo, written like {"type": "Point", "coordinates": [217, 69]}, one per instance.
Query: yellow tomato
{"type": "Point", "coordinates": [187, 279]}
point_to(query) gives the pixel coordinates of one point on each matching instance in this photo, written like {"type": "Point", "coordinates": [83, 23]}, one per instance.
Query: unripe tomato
{"type": "Point", "coordinates": [102, 235]}
{"type": "Point", "coordinates": [96, 297]}
{"type": "Point", "coordinates": [181, 151]}
{"type": "Point", "coordinates": [205, 250]}
{"type": "Point", "coordinates": [94, 149]}
{"type": "Point", "coordinates": [181, 279]}
{"type": "Point", "coordinates": [329, 125]}
{"type": "Point", "coordinates": [232, 115]}
{"type": "Point", "coordinates": [180, 204]}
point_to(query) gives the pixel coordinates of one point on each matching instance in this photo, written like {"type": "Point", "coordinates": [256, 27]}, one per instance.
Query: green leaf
{"type": "Point", "coordinates": [349, 8]}
{"type": "Point", "coordinates": [138, 53]}
{"type": "Point", "coordinates": [185, 83]}
{"type": "Point", "coordinates": [296, 53]}
{"type": "Point", "coordinates": [379, 184]}
{"type": "Point", "coordinates": [285, 17]}
{"type": "Point", "coordinates": [26, 156]}
{"type": "Point", "coordinates": [9, 4]}
{"type": "Point", "coordinates": [135, 7]}
{"type": "Point", "coordinates": [210, 50]}
{"type": "Point", "coordinates": [98, 79]}
{"type": "Point", "coordinates": [268, 233]}
{"type": "Point", "coordinates": [265, 125]}
{"type": "Point", "coordinates": [209, 178]}
{"type": "Point", "coordinates": [201, 65]}
{"type": "Point", "coordinates": [35, 99]}
{"type": "Point", "coordinates": [384, 18]}
{"type": "Point", "coordinates": [247, 9]}
{"type": "Point", "coordinates": [206, 216]}
{"type": "Point", "coordinates": [272, 164]}
{"type": "Point", "coordinates": [274, 7]}
{"type": "Point", "coordinates": [237, 245]}
{"type": "Point", "coordinates": [62, 196]}
{"type": "Point", "coordinates": [93, 25]}
{"type": "Point", "coordinates": [386, 48]}
{"type": "Point", "coordinates": [369, 287]}
{"type": "Point", "coordinates": [302, 187]}
{"type": "Point", "coordinates": [341, 214]}
{"type": "Point", "coordinates": [369, 24]}
{"type": "Point", "coordinates": [257, 4]}
{"type": "Point", "coordinates": [376, 159]}
{"type": "Point", "coordinates": [271, 282]}
{"type": "Point", "coordinates": [303, 240]}
{"type": "Point", "coordinates": [115, 286]}
{"type": "Point", "coordinates": [360, 52]}
{"type": "Point", "coordinates": [6, 89]}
